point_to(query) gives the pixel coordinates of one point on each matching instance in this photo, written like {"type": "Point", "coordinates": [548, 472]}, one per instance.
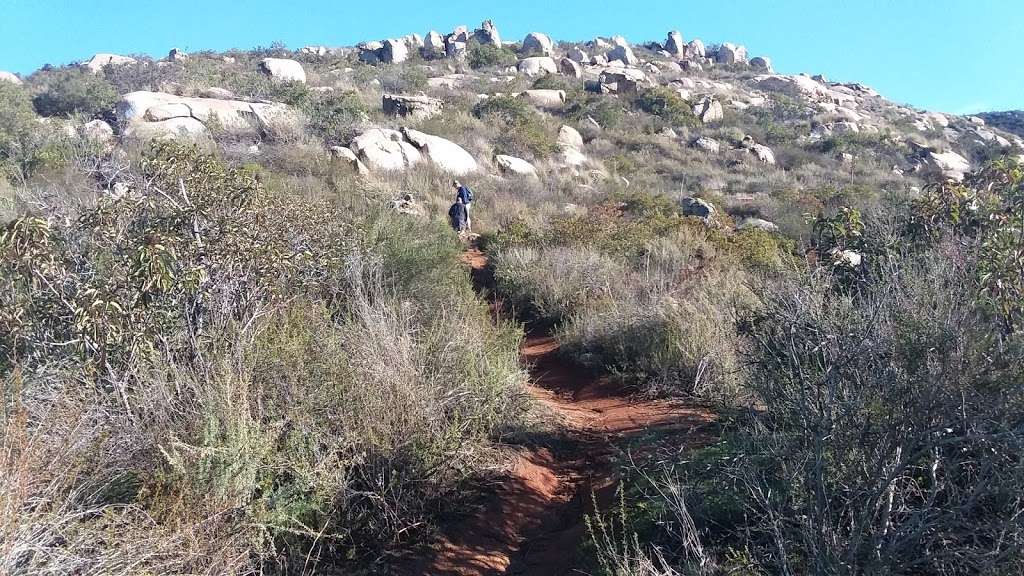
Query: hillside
{"type": "Point", "coordinates": [1011, 121]}
{"type": "Point", "coordinates": [710, 319]}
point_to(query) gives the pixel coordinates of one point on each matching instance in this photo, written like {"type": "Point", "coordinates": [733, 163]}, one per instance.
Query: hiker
{"type": "Point", "coordinates": [464, 196]}
{"type": "Point", "coordinates": [457, 216]}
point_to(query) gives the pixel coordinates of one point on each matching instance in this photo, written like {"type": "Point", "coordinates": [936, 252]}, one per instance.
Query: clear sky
{"type": "Point", "coordinates": [956, 56]}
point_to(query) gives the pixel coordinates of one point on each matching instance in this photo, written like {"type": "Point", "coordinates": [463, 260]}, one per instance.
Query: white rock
{"type": "Point", "coordinates": [394, 51]}
{"type": "Point", "coordinates": [708, 110]}
{"type": "Point", "coordinates": [707, 144]}
{"type": "Point", "coordinates": [537, 66]}
{"type": "Point", "coordinates": [572, 158]}
{"type": "Point", "coordinates": [538, 43]}
{"type": "Point", "coordinates": [548, 99]}
{"type": "Point", "coordinates": [697, 207]}
{"type": "Point", "coordinates": [97, 131]}
{"type": "Point", "coordinates": [577, 54]}
{"type": "Point", "coordinates": [445, 154]}
{"type": "Point", "coordinates": [696, 49]}
{"type": "Point", "coordinates": [433, 45]}
{"type": "Point", "coordinates": [348, 156]}
{"type": "Point", "coordinates": [764, 154]}
{"type": "Point", "coordinates": [949, 164]}
{"type": "Point", "coordinates": [283, 70]}
{"type": "Point", "coordinates": [172, 129]}
{"type": "Point", "coordinates": [487, 33]}
{"type": "Point", "coordinates": [571, 68]}
{"type": "Point", "coordinates": [250, 118]}
{"type": "Point", "coordinates": [674, 44]}
{"type": "Point", "coordinates": [387, 150]}
{"type": "Point", "coordinates": [568, 137]}
{"type": "Point", "coordinates": [729, 53]}
{"type": "Point", "coordinates": [97, 62]}
{"type": "Point", "coordinates": [757, 224]}
{"type": "Point", "coordinates": [9, 77]}
{"type": "Point", "coordinates": [515, 166]}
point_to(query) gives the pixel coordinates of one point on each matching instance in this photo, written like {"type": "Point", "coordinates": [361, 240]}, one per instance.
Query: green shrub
{"type": "Point", "coordinates": [667, 104]}
{"type": "Point", "coordinates": [335, 116]}
{"type": "Point", "coordinates": [73, 90]}
{"type": "Point", "coordinates": [522, 131]}
{"type": "Point", "coordinates": [27, 143]}
{"type": "Point", "coordinates": [489, 55]}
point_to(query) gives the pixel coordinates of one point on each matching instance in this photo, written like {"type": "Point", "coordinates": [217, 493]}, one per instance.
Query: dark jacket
{"type": "Point", "coordinates": [457, 216]}
{"type": "Point", "coordinates": [463, 195]}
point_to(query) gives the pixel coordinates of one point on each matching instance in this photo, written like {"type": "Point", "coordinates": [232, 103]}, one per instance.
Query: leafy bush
{"type": "Point", "coordinates": [335, 116]}
{"type": "Point", "coordinates": [522, 131]}
{"type": "Point", "coordinates": [489, 55]}
{"type": "Point", "coordinates": [73, 90]}
{"type": "Point", "coordinates": [667, 104]}
{"type": "Point", "coordinates": [27, 143]}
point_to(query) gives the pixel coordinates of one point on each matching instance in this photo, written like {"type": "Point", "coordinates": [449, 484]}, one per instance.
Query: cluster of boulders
{"type": "Point", "coordinates": [386, 150]}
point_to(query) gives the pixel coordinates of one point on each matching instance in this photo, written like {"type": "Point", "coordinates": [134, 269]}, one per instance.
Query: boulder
{"type": "Point", "coordinates": [511, 165]}
{"type": "Point", "coordinates": [729, 53]}
{"type": "Point", "coordinates": [419, 106]}
{"type": "Point", "coordinates": [386, 150]}
{"type": "Point", "coordinates": [949, 165]}
{"type": "Point", "coordinates": [9, 77]}
{"type": "Point", "coordinates": [707, 144]}
{"type": "Point", "coordinates": [571, 68]}
{"type": "Point", "coordinates": [97, 62]}
{"type": "Point", "coordinates": [217, 93]}
{"type": "Point", "coordinates": [571, 158]}
{"type": "Point", "coordinates": [177, 55]}
{"type": "Point", "coordinates": [537, 66]}
{"type": "Point", "coordinates": [433, 46]}
{"type": "Point", "coordinates": [621, 80]}
{"type": "Point", "coordinates": [445, 154]}
{"type": "Point", "coordinates": [763, 153]}
{"type": "Point", "coordinates": [623, 54]}
{"type": "Point", "coordinates": [674, 44]}
{"type": "Point", "coordinates": [568, 137]}
{"type": "Point", "coordinates": [487, 34]}
{"type": "Point", "coordinates": [697, 207]}
{"type": "Point", "coordinates": [283, 70]}
{"type": "Point", "coordinates": [696, 49]}
{"type": "Point", "coordinates": [318, 51]}
{"type": "Point", "coordinates": [846, 258]}
{"type": "Point", "coordinates": [97, 131]}
{"type": "Point", "coordinates": [408, 205]}
{"type": "Point", "coordinates": [548, 99]}
{"type": "Point", "coordinates": [413, 42]}
{"type": "Point", "coordinates": [172, 129]}
{"type": "Point", "coordinates": [538, 43]}
{"type": "Point", "coordinates": [757, 224]}
{"type": "Point", "coordinates": [578, 54]}
{"type": "Point", "coordinates": [708, 110]}
{"type": "Point", "coordinates": [393, 51]}
{"type": "Point", "coordinates": [349, 157]}
{"type": "Point", "coordinates": [762, 64]}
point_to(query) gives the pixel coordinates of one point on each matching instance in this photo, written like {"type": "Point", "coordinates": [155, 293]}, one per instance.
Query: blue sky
{"type": "Point", "coordinates": [956, 56]}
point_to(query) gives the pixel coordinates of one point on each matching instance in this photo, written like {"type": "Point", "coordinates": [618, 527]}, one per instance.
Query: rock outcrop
{"type": "Point", "coordinates": [445, 154]}
{"type": "Point", "coordinates": [151, 114]}
{"type": "Point", "coordinates": [697, 207]}
{"type": "Point", "coordinates": [487, 34]}
{"type": "Point", "coordinates": [708, 110]}
{"type": "Point", "coordinates": [537, 43]}
{"type": "Point", "coordinates": [419, 106]}
{"type": "Point", "coordinates": [98, 61]}
{"type": "Point", "coordinates": [547, 99]}
{"type": "Point", "coordinates": [9, 77]}
{"type": "Point", "coordinates": [674, 44]}
{"type": "Point", "coordinates": [380, 149]}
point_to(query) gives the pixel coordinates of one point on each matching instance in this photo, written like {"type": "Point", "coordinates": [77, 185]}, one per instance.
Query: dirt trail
{"type": "Point", "coordinates": [533, 519]}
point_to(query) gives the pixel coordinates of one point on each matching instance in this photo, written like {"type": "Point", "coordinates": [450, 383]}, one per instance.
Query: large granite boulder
{"type": "Point", "coordinates": [283, 70]}
{"type": "Point", "coordinates": [623, 53]}
{"type": "Point", "coordinates": [708, 110]}
{"type": "Point", "coordinates": [9, 77]}
{"type": "Point", "coordinates": [674, 44]}
{"type": "Point", "coordinates": [696, 207]}
{"type": "Point", "coordinates": [547, 99]}
{"type": "Point", "coordinates": [762, 64]}
{"type": "Point", "coordinates": [696, 49]}
{"type": "Point", "coordinates": [487, 34]}
{"type": "Point", "coordinates": [510, 165]}
{"type": "Point", "coordinates": [380, 149]}
{"type": "Point", "coordinates": [537, 66]}
{"type": "Point", "coordinates": [444, 154]}
{"type": "Point", "coordinates": [537, 43]}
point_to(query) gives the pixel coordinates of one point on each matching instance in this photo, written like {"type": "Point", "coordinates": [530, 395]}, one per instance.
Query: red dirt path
{"type": "Point", "coordinates": [533, 522]}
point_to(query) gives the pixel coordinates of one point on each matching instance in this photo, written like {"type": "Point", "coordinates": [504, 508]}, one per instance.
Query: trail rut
{"type": "Point", "coordinates": [533, 520]}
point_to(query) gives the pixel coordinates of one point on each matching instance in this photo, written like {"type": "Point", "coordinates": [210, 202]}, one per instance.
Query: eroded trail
{"type": "Point", "coordinates": [533, 519]}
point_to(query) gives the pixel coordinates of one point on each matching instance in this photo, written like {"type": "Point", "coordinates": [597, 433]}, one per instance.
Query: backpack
{"type": "Point", "coordinates": [469, 195]}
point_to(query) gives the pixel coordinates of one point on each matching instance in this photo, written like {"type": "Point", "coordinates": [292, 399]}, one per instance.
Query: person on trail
{"type": "Point", "coordinates": [464, 196]}
{"type": "Point", "coordinates": [457, 216]}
